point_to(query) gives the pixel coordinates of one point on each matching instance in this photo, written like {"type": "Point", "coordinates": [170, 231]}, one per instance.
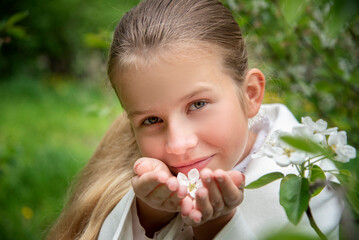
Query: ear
{"type": "Point", "coordinates": [254, 90]}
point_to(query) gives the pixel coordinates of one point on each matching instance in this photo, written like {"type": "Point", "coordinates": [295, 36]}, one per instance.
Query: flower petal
{"type": "Point", "coordinates": [302, 131]}
{"type": "Point", "coordinates": [339, 138]}
{"type": "Point", "coordinates": [298, 157]}
{"type": "Point", "coordinates": [199, 184]}
{"type": "Point", "coordinates": [282, 160]}
{"type": "Point", "coordinates": [330, 131]}
{"type": "Point", "coordinates": [347, 151]}
{"type": "Point", "coordinates": [318, 137]}
{"type": "Point", "coordinates": [307, 121]}
{"type": "Point", "coordinates": [193, 175]}
{"type": "Point", "coordinates": [320, 125]}
{"type": "Point", "coordinates": [193, 193]}
{"type": "Point", "coordinates": [182, 179]}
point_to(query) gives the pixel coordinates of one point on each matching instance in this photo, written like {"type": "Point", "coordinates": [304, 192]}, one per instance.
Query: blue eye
{"type": "Point", "coordinates": [152, 120]}
{"type": "Point", "coordinates": [197, 105]}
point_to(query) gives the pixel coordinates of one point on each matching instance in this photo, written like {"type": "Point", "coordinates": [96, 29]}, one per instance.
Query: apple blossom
{"type": "Point", "coordinates": [193, 182]}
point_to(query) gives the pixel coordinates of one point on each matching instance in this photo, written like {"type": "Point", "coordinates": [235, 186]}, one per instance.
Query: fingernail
{"type": "Point", "coordinates": [219, 179]}
{"type": "Point", "coordinates": [136, 166]}
{"type": "Point", "coordinates": [171, 187]}
{"type": "Point", "coordinates": [208, 179]}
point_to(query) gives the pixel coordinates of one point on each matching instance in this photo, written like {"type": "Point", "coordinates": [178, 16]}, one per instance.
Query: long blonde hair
{"type": "Point", "coordinates": [101, 185]}
{"type": "Point", "coordinates": [153, 25]}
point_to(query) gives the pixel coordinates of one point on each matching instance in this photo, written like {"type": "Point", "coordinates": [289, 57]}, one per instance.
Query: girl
{"type": "Point", "coordinates": [180, 71]}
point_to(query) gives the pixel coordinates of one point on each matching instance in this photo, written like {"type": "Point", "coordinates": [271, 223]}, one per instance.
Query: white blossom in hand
{"type": "Point", "coordinates": [338, 143]}
{"type": "Point", "coordinates": [193, 182]}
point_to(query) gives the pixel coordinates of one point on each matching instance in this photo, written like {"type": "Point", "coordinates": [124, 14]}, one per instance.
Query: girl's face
{"type": "Point", "coordinates": [185, 111]}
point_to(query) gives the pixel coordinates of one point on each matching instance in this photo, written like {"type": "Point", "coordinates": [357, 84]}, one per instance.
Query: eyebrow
{"type": "Point", "coordinates": [132, 114]}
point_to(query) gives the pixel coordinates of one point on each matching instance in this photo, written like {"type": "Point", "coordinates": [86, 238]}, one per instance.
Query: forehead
{"type": "Point", "coordinates": [143, 58]}
{"type": "Point", "coordinates": [168, 78]}
{"type": "Point", "coordinates": [171, 60]}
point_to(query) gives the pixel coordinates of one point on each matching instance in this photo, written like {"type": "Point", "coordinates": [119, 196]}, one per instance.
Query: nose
{"type": "Point", "coordinates": [180, 137]}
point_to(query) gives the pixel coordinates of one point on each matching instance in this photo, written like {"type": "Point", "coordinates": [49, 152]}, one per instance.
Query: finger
{"type": "Point", "coordinates": [186, 206]}
{"type": "Point", "coordinates": [159, 196]}
{"type": "Point", "coordinates": [173, 203]}
{"type": "Point", "coordinates": [193, 218]}
{"type": "Point", "coordinates": [203, 204]}
{"type": "Point", "coordinates": [237, 177]}
{"type": "Point", "coordinates": [215, 196]}
{"type": "Point", "coordinates": [172, 184]}
{"type": "Point", "coordinates": [163, 192]}
{"type": "Point", "coordinates": [145, 184]}
{"type": "Point", "coordinates": [182, 191]}
{"type": "Point", "coordinates": [232, 195]}
{"type": "Point", "coordinates": [144, 165]}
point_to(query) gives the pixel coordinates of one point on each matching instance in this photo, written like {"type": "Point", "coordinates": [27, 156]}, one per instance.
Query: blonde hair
{"type": "Point", "coordinates": [150, 26]}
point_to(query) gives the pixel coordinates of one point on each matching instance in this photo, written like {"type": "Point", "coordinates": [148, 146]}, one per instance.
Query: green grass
{"type": "Point", "coordinates": [48, 131]}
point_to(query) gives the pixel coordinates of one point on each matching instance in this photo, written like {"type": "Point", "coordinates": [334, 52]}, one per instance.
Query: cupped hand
{"type": "Point", "coordinates": [221, 194]}
{"type": "Point", "coordinates": [155, 185]}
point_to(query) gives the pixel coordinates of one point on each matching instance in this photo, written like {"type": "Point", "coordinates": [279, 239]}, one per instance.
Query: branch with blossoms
{"type": "Point", "coordinates": [305, 148]}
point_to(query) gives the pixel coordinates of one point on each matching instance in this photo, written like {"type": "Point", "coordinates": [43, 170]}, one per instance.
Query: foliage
{"type": "Point", "coordinates": [305, 148]}
{"type": "Point", "coordinates": [311, 64]}
{"type": "Point", "coordinates": [55, 33]}
{"type": "Point", "coordinates": [10, 29]}
{"type": "Point", "coordinates": [47, 133]}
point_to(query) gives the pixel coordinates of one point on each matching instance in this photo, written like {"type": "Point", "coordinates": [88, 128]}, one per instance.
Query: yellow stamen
{"type": "Point", "coordinates": [191, 186]}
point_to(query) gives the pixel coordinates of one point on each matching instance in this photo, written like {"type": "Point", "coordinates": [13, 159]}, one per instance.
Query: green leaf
{"type": "Point", "coordinates": [304, 144]}
{"type": "Point", "coordinates": [292, 10]}
{"type": "Point", "coordinates": [17, 32]}
{"type": "Point", "coordinates": [16, 18]}
{"type": "Point", "coordinates": [341, 13]}
{"type": "Point", "coordinates": [294, 197]}
{"type": "Point", "coordinates": [264, 180]}
{"type": "Point", "coordinates": [317, 181]}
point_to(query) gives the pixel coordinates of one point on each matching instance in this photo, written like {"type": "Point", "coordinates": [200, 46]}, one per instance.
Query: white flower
{"type": "Point", "coordinates": [338, 143]}
{"type": "Point", "coordinates": [193, 182]}
{"type": "Point", "coordinates": [285, 155]}
{"type": "Point", "coordinates": [282, 153]}
{"type": "Point", "coordinates": [313, 130]}
{"type": "Point", "coordinates": [317, 126]}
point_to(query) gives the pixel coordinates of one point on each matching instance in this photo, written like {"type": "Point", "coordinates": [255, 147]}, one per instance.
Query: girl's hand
{"type": "Point", "coordinates": [155, 185]}
{"type": "Point", "coordinates": [158, 195]}
{"type": "Point", "coordinates": [218, 199]}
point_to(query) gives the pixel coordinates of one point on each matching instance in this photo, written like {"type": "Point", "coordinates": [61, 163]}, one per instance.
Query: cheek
{"type": "Point", "coordinates": [228, 130]}
{"type": "Point", "coordinates": [149, 147]}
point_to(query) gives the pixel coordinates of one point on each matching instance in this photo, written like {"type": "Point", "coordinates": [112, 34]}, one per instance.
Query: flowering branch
{"type": "Point", "coordinates": [305, 148]}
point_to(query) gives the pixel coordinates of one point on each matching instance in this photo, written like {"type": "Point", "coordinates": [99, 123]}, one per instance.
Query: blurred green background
{"type": "Point", "coordinates": [56, 103]}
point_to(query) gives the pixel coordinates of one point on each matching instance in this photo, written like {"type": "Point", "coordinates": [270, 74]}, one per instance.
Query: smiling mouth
{"type": "Point", "coordinates": [199, 164]}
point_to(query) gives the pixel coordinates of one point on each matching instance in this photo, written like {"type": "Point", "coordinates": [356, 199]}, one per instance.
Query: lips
{"type": "Point", "coordinates": [199, 163]}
